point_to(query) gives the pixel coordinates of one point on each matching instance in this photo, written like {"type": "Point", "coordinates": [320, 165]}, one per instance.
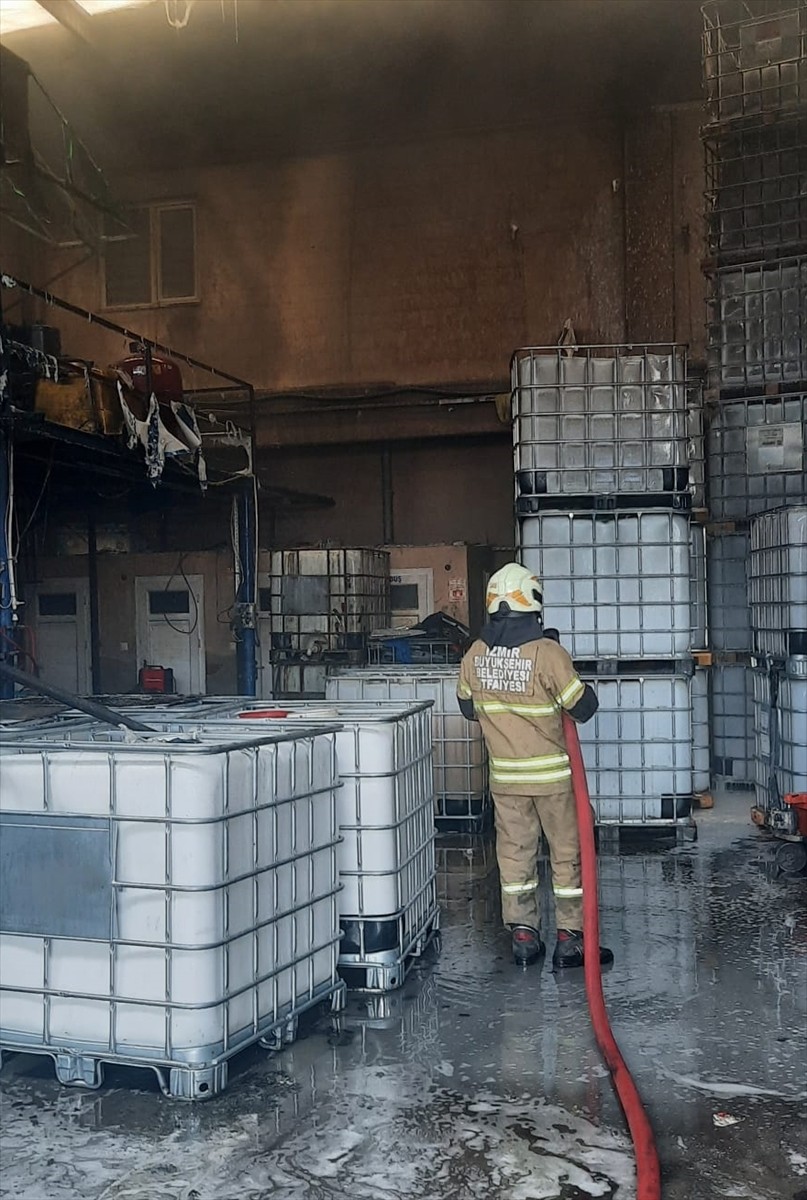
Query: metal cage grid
{"type": "Point", "coordinates": [602, 420]}
{"type": "Point", "coordinates": [727, 583]}
{"type": "Point", "coordinates": [639, 750]}
{"type": "Point", "coordinates": [384, 970]}
{"type": "Point", "coordinates": [780, 717]}
{"type": "Point", "coordinates": [732, 723]}
{"type": "Point", "coordinates": [258, 921]}
{"type": "Point", "coordinates": [325, 600]}
{"type": "Point", "coordinates": [701, 731]}
{"type": "Point", "coordinates": [757, 455]}
{"type": "Point", "coordinates": [757, 333]}
{"type": "Point", "coordinates": [778, 582]}
{"type": "Point", "coordinates": [616, 585]}
{"type": "Point", "coordinates": [461, 795]}
{"type": "Point", "coordinates": [756, 191]}
{"type": "Point", "coordinates": [385, 804]}
{"type": "Point", "coordinates": [754, 60]}
{"type": "Point", "coordinates": [696, 430]}
{"type": "Point", "coordinates": [698, 560]}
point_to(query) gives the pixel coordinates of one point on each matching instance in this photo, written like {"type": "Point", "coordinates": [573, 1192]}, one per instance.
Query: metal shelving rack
{"type": "Point", "coordinates": [78, 456]}
{"type": "Point", "coordinates": [755, 142]}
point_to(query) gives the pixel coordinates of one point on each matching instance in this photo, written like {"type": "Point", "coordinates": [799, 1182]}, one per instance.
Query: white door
{"type": "Point", "coordinates": [411, 596]}
{"type": "Point", "coordinates": [170, 627]}
{"type": "Point", "coordinates": [61, 612]}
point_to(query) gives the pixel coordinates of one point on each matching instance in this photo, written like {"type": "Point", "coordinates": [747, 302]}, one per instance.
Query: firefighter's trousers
{"type": "Point", "coordinates": [519, 822]}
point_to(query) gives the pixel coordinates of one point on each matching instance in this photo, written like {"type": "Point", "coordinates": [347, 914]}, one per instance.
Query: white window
{"type": "Point", "coordinates": [153, 262]}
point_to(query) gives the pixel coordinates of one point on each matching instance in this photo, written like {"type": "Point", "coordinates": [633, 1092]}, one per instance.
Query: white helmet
{"type": "Point", "coordinates": [518, 587]}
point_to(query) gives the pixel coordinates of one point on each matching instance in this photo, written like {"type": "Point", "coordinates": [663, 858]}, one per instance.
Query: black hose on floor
{"type": "Point", "coordinates": [91, 707]}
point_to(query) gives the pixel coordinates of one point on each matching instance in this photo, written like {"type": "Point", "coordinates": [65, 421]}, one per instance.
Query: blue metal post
{"type": "Point", "coordinates": [6, 611]}
{"type": "Point", "coordinates": [246, 646]}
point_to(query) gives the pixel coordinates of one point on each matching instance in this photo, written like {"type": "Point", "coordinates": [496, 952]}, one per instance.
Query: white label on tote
{"type": "Point", "coordinates": [774, 448]}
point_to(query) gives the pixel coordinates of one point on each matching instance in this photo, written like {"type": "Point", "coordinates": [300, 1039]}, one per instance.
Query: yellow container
{"type": "Point", "coordinates": [93, 408]}
{"type": "Point", "coordinates": [67, 402]}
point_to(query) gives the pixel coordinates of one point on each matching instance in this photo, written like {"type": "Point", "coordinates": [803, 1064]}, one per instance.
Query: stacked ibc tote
{"type": "Point", "coordinates": [602, 451]}
{"type": "Point", "coordinates": [778, 586]}
{"type": "Point", "coordinates": [755, 74]}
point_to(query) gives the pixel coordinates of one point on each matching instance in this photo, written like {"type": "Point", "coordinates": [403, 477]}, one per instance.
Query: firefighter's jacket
{"type": "Point", "coordinates": [518, 692]}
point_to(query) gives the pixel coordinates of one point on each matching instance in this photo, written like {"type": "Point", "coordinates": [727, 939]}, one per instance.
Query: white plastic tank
{"type": "Point", "coordinates": [165, 901]}
{"type": "Point", "coordinates": [701, 761]}
{"type": "Point", "coordinates": [616, 585]}
{"type": "Point", "coordinates": [780, 719]}
{"type": "Point", "coordinates": [385, 804]}
{"type": "Point", "coordinates": [757, 455]}
{"type": "Point", "coordinates": [638, 749]}
{"type": "Point", "coordinates": [325, 599]}
{"type": "Point", "coordinates": [778, 581]}
{"type": "Point", "coordinates": [597, 422]}
{"type": "Point", "coordinates": [732, 715]}
{"type": "Point", "coordinates": [460, 759]}
{"type": "Point", "coordinates": [727, 583]}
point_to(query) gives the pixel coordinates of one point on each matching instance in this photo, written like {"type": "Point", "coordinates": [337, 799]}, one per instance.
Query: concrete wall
{"type": "Point", "coordinates": [664, 246]}
{"type": "Point", "coordinates": [445, 491]}
{"type": "Point", "coordinates": [417, 263]}
{"type": "Point", "coordinates": [427, 262]}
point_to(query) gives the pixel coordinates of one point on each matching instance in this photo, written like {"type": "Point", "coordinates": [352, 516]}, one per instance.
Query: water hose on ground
{"type": "Point", "coordinates": [648, 1172]}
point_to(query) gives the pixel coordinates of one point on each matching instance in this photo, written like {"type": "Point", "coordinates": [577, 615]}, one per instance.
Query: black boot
{"type": "Point", "coordinates": [527, 944]}
{"type": "Point", "coordinates": [569, 950]}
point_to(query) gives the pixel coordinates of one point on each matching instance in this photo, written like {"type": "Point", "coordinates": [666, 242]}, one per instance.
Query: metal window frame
{"type": "Point", "coordinates": [155, 208]}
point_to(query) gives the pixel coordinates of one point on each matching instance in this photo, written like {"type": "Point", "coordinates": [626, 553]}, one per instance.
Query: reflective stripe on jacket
{"type": "Point", "coordinates": [518, 693]}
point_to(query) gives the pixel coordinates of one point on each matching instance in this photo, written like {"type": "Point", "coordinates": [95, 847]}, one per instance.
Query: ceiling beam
{"type": "Point", "coordinates": [379, 423]}
{"type": "Point", "coordinates": [73, 17]}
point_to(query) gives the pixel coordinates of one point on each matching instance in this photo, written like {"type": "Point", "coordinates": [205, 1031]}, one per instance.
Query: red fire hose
{"type": "Point", "coordinates": [648, 1174]}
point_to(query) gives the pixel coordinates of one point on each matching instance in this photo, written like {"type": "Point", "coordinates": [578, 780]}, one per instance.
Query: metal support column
{"type": "Point", "coordinates": [92, 580]}
{"type": "Point", "coordinates": [6, 566]}
{"type": "Point", "coordinates": [246, 596]}
{"type": "Point", "coordinates": [387, 498]}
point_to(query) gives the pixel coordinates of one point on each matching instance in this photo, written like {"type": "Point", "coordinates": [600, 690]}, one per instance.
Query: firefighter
{"type": "Point", "coordinates": [515, 679]}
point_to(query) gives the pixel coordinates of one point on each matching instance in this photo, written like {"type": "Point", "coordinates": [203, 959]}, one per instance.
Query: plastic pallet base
{"type": "Point", "coordinates": [728, 783]}
{"type": "Point", "coordinates": [796, 645]}
{"type": "Point", "coordinates": [177, 1082]}
{"type": "Point", "coordinates": [532, 505]}
{"type": "Point", "coordinates": [478, 823]}
{"type": "Point", "coordinates": [632, 667]}
{"type": "Point", "coordinates": [725, 393]}
{"type": "Point", "coordinates": [463, 814]}
{"type": "Point", "coordinates": [672, 809]}
{"type": "Point", "coordinates": [383, 976]}
{"type": "Point", "coordinates": [611, 839]}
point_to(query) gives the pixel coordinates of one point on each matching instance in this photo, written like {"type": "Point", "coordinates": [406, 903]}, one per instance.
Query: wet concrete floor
{"type": "Point", "coordinates": [479, 1079]}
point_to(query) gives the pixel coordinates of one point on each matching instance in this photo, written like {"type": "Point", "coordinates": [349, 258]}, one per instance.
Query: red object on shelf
{"type": "Point", "coordinates": [157, 680]}
{"type": "Point", "coordinates": [798, 800]}
{"type": "Point", "coordinates": [166, 377]}
{"type": "Point", "coordinates": [261, 714]}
